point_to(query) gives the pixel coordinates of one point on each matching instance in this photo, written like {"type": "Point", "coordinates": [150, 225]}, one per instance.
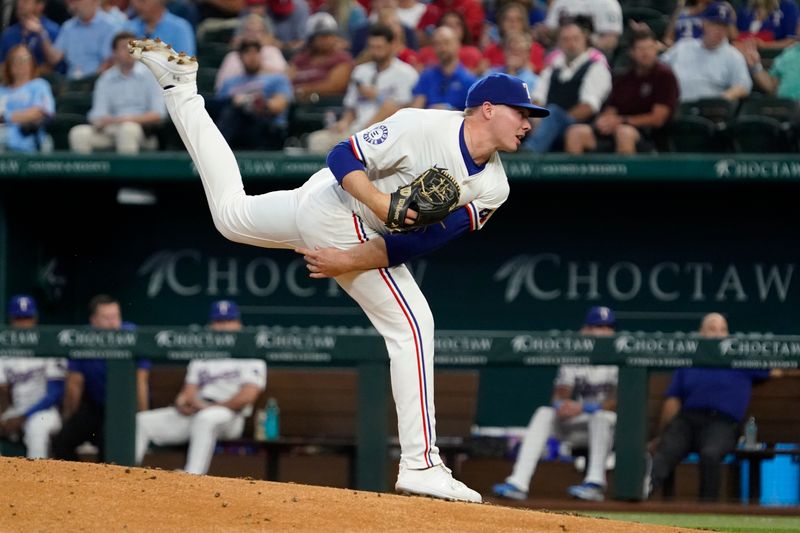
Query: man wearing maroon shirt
{"type": "Point", "coordinates": [641, 101]}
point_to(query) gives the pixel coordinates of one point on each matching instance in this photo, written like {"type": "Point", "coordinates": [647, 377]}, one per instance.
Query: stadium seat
{"type": "Point", "coordinates": [84, 85]}
{"type": "Point", "coordinates": [781, 109]}
{"type": "Point", "coordinates": [667, 7]}
{"type": "Point", "coordinates": [74, 102]}
{"type": "Point", "coordinates": [56, 82]}
{"type": "Point", "coordinates": [717, 110]}
{"type": "Point", "coordinates": [210, 55]}
{"type": "Point", "coordinates": [59, 125]}
{"type": "Point", "coordinates": [656, 20]}
{"type": "Point", "coordinates": [305, 118]}
{"type": "Point", "coordinates": [221, 35]}
{"type": "Point", "coordinates": [755, 134]}
{"type": "Point", "coordinates": [206, 76]}
{"type": "Point", "coordinates": [691, 133]}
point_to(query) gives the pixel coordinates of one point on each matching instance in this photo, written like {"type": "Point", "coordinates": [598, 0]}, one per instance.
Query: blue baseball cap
{"type": "Point", "coordinates": [499, 88]}
{"type": "Point", "coordinates": [600, 316]}
{"type": "Point", "coordinates": [224, 310]}
{"type": "Point", "coordinates": [22, 306]}
{"type": "Point", "coordinates": [720, 12]}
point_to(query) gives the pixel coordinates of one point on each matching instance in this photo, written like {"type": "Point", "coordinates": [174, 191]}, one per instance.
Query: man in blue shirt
{"type": "Point", "coordinates": [253, 106]}
{"type": "Point", "coordinates": [702, 412]}
{"type": "Point", "coordinates": [127, 105]}
{"type": "Point", "coordinates": [84, 41]}
{"type": "Point", "coordinates": [155, 21]}
{"type": "Point", "coordinates": [85, 391]}
{"type": "Point", "coordinates": [28, 30]}
{"type": "Point", "coordinates": [443, 86]}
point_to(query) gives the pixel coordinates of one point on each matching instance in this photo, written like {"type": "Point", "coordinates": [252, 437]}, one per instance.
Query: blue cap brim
{"type": "Point", "coordinates": [536, 111]}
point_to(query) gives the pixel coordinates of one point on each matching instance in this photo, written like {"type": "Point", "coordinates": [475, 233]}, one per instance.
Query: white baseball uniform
{"type": "Point", "coordinates": [217, 381]}
{"type": "Point", "coordinates": [590, 385]}
{"type": "Point", "coordinates": [321, 213]}
{"type": "Point", "coordinates": [27, 379]}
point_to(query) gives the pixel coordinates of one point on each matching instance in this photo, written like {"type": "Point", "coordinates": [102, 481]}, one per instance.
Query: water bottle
{"type": "Point", "coordinates": [272, 420]}
{"type": "Point", "coordinates": [751, 434]}
{"type": "Point", "coordinates": [260, 425]}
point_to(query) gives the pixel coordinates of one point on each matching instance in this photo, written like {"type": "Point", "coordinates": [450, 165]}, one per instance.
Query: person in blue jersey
{"type": "Point", "coordinates": [84, 406]}
{"type": "Point", "coordinates": [702, 411]}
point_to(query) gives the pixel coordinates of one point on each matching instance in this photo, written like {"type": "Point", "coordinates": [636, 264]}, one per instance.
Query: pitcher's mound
{"type": "Point", "coordinates": [62, 496]}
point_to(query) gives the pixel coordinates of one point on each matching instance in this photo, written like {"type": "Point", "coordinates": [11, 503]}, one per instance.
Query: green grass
{"type": "Point", "coordinates": [726, 523]}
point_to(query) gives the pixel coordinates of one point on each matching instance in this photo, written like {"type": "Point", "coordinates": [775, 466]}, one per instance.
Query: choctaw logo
{"type": "Point", "coordinates": [377, 135]}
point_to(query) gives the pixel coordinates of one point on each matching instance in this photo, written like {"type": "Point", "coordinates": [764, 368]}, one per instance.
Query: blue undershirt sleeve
{"type": "Point", "coordinates": [342, 161]}
{"type": "Point", "coordinates": [402, 247]}
{"type": "Point", "coordinates": [55, 391]}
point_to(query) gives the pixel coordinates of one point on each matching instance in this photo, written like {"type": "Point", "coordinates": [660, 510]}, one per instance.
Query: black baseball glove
{"type": "Point", "coordinates": [433, 195]}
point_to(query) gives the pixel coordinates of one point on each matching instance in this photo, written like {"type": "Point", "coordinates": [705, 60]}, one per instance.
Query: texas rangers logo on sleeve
{"type": "Point", "coordinates": [377, 135]}
{"type": "Point", "coordinates": [484, 215]}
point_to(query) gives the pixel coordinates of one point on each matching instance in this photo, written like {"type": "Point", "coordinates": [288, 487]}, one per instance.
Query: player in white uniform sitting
{"type": "Point", "coordinates": [216, 398]}
{"type": "Point", "coordinates": [35, 386]}
{"type": "Point", "coordinates": [583, 412]}
{"type": "Point", "coordinates": [337, 221]}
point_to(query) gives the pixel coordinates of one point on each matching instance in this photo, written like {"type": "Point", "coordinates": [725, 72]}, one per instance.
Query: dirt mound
{"type": "Point", "coordinates": [63, 496]}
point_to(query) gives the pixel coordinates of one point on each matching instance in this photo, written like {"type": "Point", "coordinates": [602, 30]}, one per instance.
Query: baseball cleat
{"type": "Point", "coordinates": [436, 482]}
{"type": "Point", "coordinates": [170, 68]}
{"type": "Point", "coordinates": [588, 491]}
{"type": "Point", "coordinates": [507, 490]}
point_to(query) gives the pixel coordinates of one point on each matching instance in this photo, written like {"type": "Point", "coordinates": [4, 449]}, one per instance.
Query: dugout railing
{"type": "Point", "coordinates": [635, 353]}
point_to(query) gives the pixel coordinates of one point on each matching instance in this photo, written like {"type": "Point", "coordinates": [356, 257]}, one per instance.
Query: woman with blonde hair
{"type": "Point", "coordinates": [26, 102]}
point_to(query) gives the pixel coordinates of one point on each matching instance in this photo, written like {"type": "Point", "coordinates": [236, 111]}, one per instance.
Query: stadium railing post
{"type": "Point", "coordinates": [372, 430]}
{"type": "Point", "coordinates": [120, 423]}
{"type": "Point", "coordinates": [630, 434]}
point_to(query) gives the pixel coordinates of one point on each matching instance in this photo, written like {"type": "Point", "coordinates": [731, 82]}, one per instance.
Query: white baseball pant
{"type": "Point", "coordinates": [595, 429]}
{"type": "Point", "coordinates": [314, 215]}
{"type": "Point", "coordinates": [37, 430]}
{"type": "Point", "coordinates": [166, 426]}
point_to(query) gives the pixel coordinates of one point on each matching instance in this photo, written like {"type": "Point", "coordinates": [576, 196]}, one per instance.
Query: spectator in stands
{"type": "Point", "coordinates": [349, 15]}
{"type": "Point", "coordinates": [84, 42]}
{"type": "Point", "coordinates": [31, 22]}
{"type": "Point", "coordinates": [512, 18]}
{"type": "Point", "coordinates": [252, 28]}
{"type": "Point", "coordinates": [26, 103]}
{"type": "Point", "coordinates": [153, 20]}
{"type": "Point", "coordinates": [606, 17]}
{"type": "Point", "coordinates": [641, 101]}
{"type": "Point", "coordinates": [702, 410]}
{"type": "Point", "coordinates": [783, 78]}
{"type": "Point", "coordinates": [386, 12]}
{"type": "Point", "coordinates": [686, 22]}
{"type": "Point", "coordinates": [253, 107]}
{"type": "Point", "coordinates": [471, 11]}
{"type": "Point", "coordinates": [216, 398]}
{"type": "Point", "coordinates": [516, 50]}
{"type": "Point", "coordinates": [469, 56]}
{"type": "Point", "coordinates": [377, 89]}
{"type": "Point", "coordinates": [289, 18]}
{"type": "Point", "coordinates": [83, 412]}
{"type": "Point", "coordinates": [111, 9]}
{"type": "Point", "coordinates": [410, 12]}
{"type": "Point", "coordinates": [34, 385]}
{"type": "Point", "coordinates": [443, 86]}
{"type": "Point", "coordinates": [771, 23]}
{"type": "Point", "coordinates": [710, 67]}
{"type": "Point", "coordinates": [573, 87]}
{"type": "Point", "coordinates": [582, 413]}
{"type": "Point", "coordinates": [322, 68]}
{"type": "Point", "coordinates": [127, 105]}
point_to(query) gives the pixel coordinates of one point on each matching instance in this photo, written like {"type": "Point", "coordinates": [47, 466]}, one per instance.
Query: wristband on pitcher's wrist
{"type": "Point", "coordinates": [591, 407]}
